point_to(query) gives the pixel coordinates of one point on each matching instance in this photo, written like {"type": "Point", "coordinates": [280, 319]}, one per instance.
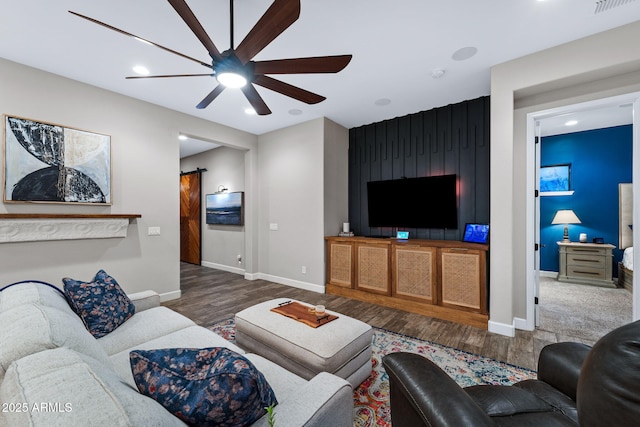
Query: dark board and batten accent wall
{"type": "Point", "coordinates": [447, 140]}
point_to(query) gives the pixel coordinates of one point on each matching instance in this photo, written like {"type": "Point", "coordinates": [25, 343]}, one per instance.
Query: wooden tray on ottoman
{"type": "Point", "coordinates": [304, 313]}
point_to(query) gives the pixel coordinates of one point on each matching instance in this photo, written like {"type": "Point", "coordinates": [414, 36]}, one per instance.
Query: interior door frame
{"type": "Point", "coordinates": [532, 222]}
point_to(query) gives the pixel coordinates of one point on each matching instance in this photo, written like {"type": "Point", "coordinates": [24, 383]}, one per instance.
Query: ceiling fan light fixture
{"type": "Point", "coordinates": [231, 80]}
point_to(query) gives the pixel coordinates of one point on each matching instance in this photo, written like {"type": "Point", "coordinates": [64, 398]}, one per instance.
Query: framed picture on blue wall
{"type": "Point", "coordinates": [555, 178]}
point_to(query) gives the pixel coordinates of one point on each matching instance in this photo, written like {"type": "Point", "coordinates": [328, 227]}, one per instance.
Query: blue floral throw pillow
{"type": "Point", "coordinates": [204, 387]}
{"type": "Point", "coordinates": [101, 303]}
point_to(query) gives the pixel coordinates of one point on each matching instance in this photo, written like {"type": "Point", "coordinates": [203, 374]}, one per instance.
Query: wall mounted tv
{"type": "Point", "coordinates": [225, 208]}
{"type": "Point", "coordinates": [427, 202]}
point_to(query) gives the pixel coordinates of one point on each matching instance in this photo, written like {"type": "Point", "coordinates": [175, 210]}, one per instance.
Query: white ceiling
{"type": "Point", "coordinates": [395, 46]}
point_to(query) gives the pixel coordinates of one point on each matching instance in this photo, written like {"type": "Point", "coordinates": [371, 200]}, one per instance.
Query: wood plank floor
{"type": "Point", "coordinates": [209, 296]}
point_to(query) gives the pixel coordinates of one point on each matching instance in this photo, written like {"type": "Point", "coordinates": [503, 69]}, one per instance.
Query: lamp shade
{"type": "Point", "coordinates": [566, 216]}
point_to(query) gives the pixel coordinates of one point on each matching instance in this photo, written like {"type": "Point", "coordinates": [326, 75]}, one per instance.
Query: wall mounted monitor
{"type": "Point", "coordinates": [426, 202]}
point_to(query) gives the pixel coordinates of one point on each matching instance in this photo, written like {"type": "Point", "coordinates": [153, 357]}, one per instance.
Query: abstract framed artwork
{"type": "Point", "coordinates": [555, 178]}
{"type": "Point", "coordinates": [49, 163]}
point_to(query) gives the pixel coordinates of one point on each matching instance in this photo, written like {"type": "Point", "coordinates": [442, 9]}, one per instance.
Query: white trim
{"type": "Point", "coordinates": [293, 283]}
{"type": "Point", "coordinates": [520, 323]}
{"type": "Point", "coordinates": [251, 276]}
{"type": "Point", "coordinates": [502, 328]}
{"type": "Point", "coordinates": [168, 296]}
{"type": "Point", "coordinates": [223, 267]}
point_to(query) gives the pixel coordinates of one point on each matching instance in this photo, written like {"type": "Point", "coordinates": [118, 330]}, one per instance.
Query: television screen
{"type": "Point", "coordinates": [476, 233]}
{"type": "Point", "coordinates": [225, 208]}
{"type": "Point", "coordinates": [427, 202]}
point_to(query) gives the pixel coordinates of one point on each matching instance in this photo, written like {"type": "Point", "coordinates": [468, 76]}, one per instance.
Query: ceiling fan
{"type": "Point", "coordinates": [234, 67]}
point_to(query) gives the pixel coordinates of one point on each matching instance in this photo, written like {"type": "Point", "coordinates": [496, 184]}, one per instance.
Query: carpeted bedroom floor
{"type": "Point", "coordinates": [581, 312]}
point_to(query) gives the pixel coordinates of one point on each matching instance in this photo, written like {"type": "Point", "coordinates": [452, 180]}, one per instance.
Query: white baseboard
{"type": "Point", "coordinates": [520, 323]}
{"type": "Point", "coordinates": [222, 267]}
{"type": "Point", "coordinates": [168, 296]}
{"type": "Point", "coordinates": [502, 329]}
{"type": "Point", "coordinates": [293, 283]}
{"type": "Point", "coordinates": [251, 276]}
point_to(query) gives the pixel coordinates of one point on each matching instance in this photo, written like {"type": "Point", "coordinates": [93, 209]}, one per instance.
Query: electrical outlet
{"type": "Point", "coordinates": [273, 226]}
{"type": "Point", "coordinates": [153, 231]}
{"type": "Point", "coordinates": [239, 259]}
{"type": "Point", "coordinates": [304, 269]}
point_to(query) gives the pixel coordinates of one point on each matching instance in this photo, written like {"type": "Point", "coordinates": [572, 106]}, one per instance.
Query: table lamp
{"type": "Point", "coordinates": [566, 217]}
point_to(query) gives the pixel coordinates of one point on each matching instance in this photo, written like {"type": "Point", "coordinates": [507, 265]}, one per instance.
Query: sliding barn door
{"type": "Point", "coordinates": [190, 218]}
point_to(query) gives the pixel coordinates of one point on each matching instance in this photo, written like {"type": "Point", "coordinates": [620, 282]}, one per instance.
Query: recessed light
{"type": "Point", "coordinates": [436, 73]}
{"type": "Point", "coordinates": [464, 53]}
{"type": "Point", "coordinates": [295, 112]}
{"type": "Point", "coordinates": [382, 102]}
{"type": "Point", "coordinates": [249, 111]}
{"type": "Point", "coordinates": [140, 69]}
{"type": "Point", "coordinates": [571, 123]}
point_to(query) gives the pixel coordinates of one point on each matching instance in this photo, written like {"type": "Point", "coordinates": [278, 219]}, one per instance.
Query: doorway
{"type": "Point", "coordinates": [190, 217]}
{"type": "Point", "coordinates": [534, 121]}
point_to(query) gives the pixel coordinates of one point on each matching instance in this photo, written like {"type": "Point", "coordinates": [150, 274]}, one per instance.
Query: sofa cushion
{"type": "Point", "coordinates": [144, 326]}
{"type": "Point", "coordinates": [191, 337]}
{"type": "Point", "coordinates": [32, 292]}
{"type": "Point", "coordinates": [32, 328]}
{"type": "Point", "coordinates": [208, 386]}
{"type": "Point", "coordinates": [101, 304]}
{"type": "Point", "coordinates": [75, 390]}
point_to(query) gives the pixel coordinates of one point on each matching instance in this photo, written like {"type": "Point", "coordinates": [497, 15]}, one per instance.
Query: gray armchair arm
{"type": "Point", "coordinates": [559, 365]}
{"type": "Point", "coordinates": [424, 395]}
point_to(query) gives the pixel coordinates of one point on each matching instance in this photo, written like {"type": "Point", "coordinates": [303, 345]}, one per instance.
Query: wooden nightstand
{"type": "Point", "coordinates": [588, 263]}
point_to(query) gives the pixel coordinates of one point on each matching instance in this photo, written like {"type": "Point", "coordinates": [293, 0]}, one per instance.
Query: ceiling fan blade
{"type": "Point", "coordinates": [190, 19]}
{"type": "Point", "coordinates": [288, 90]}
{"type": "Point", "coordinates": [168, 75]}
{"type": "Point", "coordinates": [317, 64]}
{"type": "Point", "coordinates": [255, 100]}
{"type": "Point", "coordinates": [212, 95]}
{"type": "Point", "coordinates": [280, 15]}
{"type": "Point", "coordinates": [95, 21]}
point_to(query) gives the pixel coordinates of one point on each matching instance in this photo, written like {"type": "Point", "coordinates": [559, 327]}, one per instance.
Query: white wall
{"type": "Point", "coordinates": [220, 244]}
{"type": "Point", "coordinates": [336, 177]}
{"type": "Point", "coordinates": [291, 193]}
{"type": "Point", "coordinates": [145, 174]}
{"type": "Point", "coordinates": [594, 67]}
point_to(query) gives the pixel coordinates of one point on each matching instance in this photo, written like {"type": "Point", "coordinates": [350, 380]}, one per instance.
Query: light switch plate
{"type": "Point", "coordinates": [153, 231]}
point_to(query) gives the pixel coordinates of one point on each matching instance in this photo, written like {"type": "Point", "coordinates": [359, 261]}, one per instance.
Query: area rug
{"type": "Point", "coordinates": [371, 398]}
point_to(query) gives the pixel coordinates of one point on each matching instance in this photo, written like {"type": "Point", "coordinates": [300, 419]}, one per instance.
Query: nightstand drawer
{"type": "Point", "coordinates": [585, 259]}
{"type": "Point", "coordinates": [585, 272]}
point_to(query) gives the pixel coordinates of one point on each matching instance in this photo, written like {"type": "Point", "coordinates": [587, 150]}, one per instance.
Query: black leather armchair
{"type": "Point", "coordinates": [576, 385]}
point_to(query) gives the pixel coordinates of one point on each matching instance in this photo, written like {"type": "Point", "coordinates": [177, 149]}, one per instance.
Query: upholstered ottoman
{"type": "Point", "coordinates": [341, 347]}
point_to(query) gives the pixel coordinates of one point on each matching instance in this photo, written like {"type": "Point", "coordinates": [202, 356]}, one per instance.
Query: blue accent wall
{"type": "Point", "coordinates": [600, 159]}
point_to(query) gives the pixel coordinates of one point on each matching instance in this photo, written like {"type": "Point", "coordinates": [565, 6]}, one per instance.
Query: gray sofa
{"type": "Point", "coordinates": [53, 372]}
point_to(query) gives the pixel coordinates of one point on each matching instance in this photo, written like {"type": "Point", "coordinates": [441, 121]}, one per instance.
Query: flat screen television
{"type": "Point", "coordinates": [225, 208]}
{"type": "Point", "coordinates": [426, 202]}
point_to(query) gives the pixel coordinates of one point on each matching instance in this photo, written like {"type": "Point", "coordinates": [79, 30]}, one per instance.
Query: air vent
{"type": "Point", "coordinates": [604, 5]}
